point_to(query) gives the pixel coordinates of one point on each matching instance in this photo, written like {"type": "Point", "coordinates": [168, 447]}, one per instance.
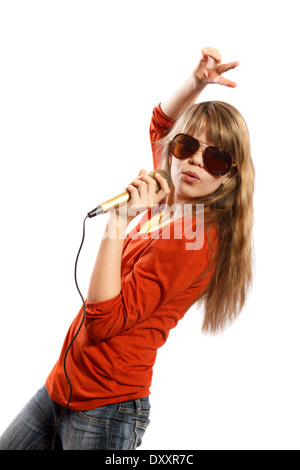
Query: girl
{"type": "Point", "coordinates": [144, 281]}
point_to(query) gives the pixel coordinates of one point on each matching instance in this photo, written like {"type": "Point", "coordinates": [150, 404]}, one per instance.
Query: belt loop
{"type": "Point", "coordinates": [138, 405]}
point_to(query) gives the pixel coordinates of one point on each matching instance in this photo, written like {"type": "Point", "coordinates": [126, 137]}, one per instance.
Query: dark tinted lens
{"type": "Point", "coordinates": [184, 146]}
{"type": "Point", "coordinates": [217, 161]}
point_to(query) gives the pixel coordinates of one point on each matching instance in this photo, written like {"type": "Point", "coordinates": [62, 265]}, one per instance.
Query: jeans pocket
{"type": "Point", "coordinates": [103, 414]}
{"type": "Point", "coordinates": [89, 418]}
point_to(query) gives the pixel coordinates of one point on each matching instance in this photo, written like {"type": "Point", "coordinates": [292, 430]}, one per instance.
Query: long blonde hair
{"type": "Point", "coordinates": [229, 208]}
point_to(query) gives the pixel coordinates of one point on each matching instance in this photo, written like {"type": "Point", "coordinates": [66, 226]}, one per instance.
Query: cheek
{"type": "Point", "coordinates": [208, 186]}
{"type": "Point", "coordinates": [175, 170]}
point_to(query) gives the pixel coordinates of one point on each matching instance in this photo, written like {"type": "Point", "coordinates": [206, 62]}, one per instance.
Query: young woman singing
{"type": "Point", "coordinates": [145, 280]}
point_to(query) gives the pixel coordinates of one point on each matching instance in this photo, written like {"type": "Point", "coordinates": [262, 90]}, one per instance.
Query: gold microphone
{"type": "Point", "coordinates": [124, 197]}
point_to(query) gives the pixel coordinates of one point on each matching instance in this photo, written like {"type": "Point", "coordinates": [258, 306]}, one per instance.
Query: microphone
{"type": "Point", "coordinates": [124, 197]}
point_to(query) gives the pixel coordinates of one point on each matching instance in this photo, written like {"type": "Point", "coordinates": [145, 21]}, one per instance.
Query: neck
{"type": "Point", "coordinates": [174, 206]}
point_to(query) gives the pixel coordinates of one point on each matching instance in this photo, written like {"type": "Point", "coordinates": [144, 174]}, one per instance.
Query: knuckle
{"type": "Point", "coordinates": [136, 183]}
{"type": "Point", "coordinates": [149, 180]}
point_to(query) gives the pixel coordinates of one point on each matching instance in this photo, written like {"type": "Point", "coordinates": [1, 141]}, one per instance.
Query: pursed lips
{"type": "Point", "coordinates": [191, 174]}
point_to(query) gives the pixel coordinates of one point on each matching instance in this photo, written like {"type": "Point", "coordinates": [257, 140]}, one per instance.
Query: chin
{"type": "Point", "coordinates": [190, 194]}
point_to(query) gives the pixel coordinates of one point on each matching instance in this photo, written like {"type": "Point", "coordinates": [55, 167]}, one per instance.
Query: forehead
{"type": "Point", "coordinates": [202, 131]}
{"type": "Point", "coordinates": [203, 136]}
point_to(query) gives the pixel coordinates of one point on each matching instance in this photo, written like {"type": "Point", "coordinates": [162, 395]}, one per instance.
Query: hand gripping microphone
{"type": "Point", "coordinates": [124, 197]}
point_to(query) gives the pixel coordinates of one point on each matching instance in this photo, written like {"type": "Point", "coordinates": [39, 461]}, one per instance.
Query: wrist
{"type": "Point", "coordinates": [198, 83]}
{"type": "Point", "coordinates": [116, 225]}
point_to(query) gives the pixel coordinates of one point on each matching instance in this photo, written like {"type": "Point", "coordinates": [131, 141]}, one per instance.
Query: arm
{"type": "Point", "coordinates": [105, 282]}
{"type": "Point", "coordinates": [209, 70]}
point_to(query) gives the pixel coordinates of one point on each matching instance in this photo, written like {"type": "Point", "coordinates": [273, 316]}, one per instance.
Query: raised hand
{"type": "Point", "coordinates": [210, 69]}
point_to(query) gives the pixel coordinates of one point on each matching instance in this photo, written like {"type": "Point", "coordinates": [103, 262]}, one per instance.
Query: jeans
{"type": "Point", "coordinates": [119, 426]}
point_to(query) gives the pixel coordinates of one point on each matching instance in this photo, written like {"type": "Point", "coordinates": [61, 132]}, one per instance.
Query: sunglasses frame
{"type": "Point", "coordinates": [204, 158]}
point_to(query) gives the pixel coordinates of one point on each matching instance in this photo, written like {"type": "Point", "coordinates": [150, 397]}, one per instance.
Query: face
{"type": "Point", "coordinates": [190, 177]}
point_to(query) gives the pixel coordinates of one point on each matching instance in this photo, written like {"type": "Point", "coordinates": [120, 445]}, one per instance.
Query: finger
{"type": "Point", "coordinates": [163, 183]}
{"type": "Point", "coordinates": [132, 190]}
{"type": "Point", "coordinates": [138, 192]}
{"type": "Point", "coordinates": [224, 81]}
{"type": "Point", "coordinates": [213, 53]}
{"type": "Point", "coordinates": [136, 205]}
{"type": "Point", "coordinates": [146, 186]}
{"type": "Point", "coordinates": [142, 172]}
{"type": "Point", "coordinates": [203, 60]}
{"type": "Point", "coordinates": [225, 67]}
{"type": "Point", "coordinates": [150, 184]}
{"type": "Point", "coordinates": [139, 183]}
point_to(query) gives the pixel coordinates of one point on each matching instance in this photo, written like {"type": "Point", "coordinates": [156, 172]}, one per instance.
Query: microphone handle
{"type": "Point", "coordinates": [106, 206]}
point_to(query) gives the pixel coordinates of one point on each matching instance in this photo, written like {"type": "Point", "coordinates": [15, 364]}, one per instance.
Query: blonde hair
{"type": "Point", "coordinates": [229, 209]}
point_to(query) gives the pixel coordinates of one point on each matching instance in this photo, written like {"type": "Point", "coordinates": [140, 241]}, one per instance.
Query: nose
{"type": "Point", "coordinates": [197, 158]}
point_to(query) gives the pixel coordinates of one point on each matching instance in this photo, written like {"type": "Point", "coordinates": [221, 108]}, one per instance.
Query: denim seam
{"type": "Point", "coordinates": [131, 411]}
{"type": "Point", "coordinates": [90, 419]}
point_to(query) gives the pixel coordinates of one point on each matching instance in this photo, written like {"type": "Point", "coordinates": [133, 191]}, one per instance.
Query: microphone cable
{"type": "Point", "coordinates": [73, 339]}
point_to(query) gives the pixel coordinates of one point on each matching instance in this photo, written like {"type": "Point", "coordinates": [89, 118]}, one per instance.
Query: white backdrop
{"type": "Point", "coordinates": [79, 80]}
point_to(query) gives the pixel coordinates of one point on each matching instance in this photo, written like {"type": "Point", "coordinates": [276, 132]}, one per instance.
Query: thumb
{"type": "Point", "coordinates": [142, 172]}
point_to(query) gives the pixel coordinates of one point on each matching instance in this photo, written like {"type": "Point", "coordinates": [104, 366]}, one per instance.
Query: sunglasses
{"type": "Point", "coordinates": [217, 161]}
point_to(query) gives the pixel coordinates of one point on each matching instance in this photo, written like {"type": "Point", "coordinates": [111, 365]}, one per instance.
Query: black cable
{"type": "Point", "coordinates": [73, 339]}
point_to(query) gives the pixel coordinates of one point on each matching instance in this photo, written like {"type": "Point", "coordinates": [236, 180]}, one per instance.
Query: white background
{"type": "Point", "coordinates": [79, 80]}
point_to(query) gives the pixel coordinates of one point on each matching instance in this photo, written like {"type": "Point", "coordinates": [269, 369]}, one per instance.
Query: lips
{"type": "Point", "coordinates": [191, 175]}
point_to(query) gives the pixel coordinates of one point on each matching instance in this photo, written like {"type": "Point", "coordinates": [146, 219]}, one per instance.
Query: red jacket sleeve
{"type": "Point", "coordinates": [161, 274]}
{"type": "Point", "coordinates": [159, 127]}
